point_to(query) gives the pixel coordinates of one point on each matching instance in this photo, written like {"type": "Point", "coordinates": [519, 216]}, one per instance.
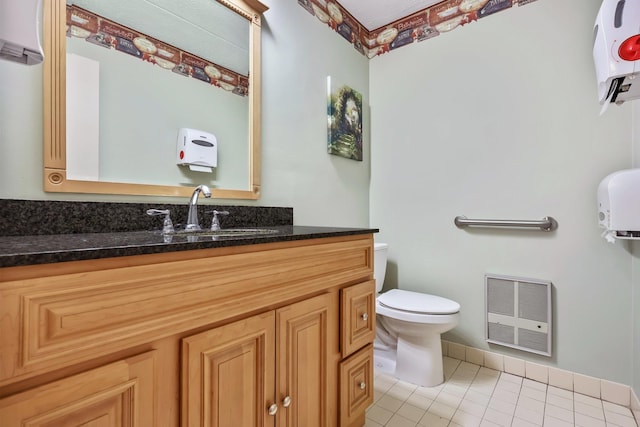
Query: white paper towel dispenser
{"type": "Point", "coordinates": [619, 205]}
{"type": "Point", "coordinates": [19, 31]}
{"type": "Point", "coordinates": [197, 149]}
{"type": "Point", "coordinates": [616, 51]}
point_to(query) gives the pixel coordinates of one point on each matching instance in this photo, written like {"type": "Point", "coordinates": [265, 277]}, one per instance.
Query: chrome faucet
{"type": "Point", "coordinates": [192, 219]}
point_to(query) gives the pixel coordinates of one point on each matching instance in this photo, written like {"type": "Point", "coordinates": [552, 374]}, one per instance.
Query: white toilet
{"type": "Point", "coordinates": [408, 329]}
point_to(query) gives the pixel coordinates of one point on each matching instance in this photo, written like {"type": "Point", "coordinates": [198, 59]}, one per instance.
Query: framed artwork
{"type": "Point", "coordinates": [344, 117]}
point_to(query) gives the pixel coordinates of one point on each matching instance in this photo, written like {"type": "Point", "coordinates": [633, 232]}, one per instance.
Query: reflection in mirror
{"type": "Point", "coordinates": [131, 85]}
{"type": "Point", "coordinates": [125, 80]}
{"type": "Point", "coordinates": [204, 28]}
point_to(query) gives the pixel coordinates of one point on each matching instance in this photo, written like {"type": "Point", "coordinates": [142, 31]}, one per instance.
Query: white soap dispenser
{"type": "Point", "coordinates": [197, 149]}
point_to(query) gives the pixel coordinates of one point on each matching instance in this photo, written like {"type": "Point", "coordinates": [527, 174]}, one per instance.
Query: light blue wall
{"type": "Point", "coordinates": [299, 53]}
{"type": "Point", "coordinates": [296, 169]}
{"type": "Point", "coordinates": [500, 119]}
{"type": "Point", "coordinates": [20, 131]}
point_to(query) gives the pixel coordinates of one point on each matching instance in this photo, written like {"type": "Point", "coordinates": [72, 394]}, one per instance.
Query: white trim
{"type": "Point", "coordinates": [493, 360]}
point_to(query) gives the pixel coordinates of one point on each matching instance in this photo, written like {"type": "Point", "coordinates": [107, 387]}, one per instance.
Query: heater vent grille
{"type": "Point", "coordinates": [518, 313]}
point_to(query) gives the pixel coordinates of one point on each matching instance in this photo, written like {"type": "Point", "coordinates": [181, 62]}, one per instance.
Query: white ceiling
{"type": "Point", "coordinates": [374, 14]}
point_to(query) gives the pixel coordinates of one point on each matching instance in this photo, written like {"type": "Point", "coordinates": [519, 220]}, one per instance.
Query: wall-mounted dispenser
{"type": "Point", "coordinates": [197, 149]}
{"type": "Point", "coordinates": [619, 205]}
{"type": "Point", "coordinates": [616, 51]}
{"type": "Point", "coordinates": [19, 31]}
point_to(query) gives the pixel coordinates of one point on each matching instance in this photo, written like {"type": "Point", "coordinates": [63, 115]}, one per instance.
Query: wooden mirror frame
{"type": "Point", "coordinates": [54, 103]}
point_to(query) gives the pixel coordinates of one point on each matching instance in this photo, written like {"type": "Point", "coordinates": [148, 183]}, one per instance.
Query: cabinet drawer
{"type": "Point", "coordinates": [356, 387]}
{"type": "Point", "coordinates": [358, 317]}
{"type": "Point", "coordinates": [119, 394]}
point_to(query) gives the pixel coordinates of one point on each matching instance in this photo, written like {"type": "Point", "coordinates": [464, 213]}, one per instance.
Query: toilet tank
{"type": "Point", "coordinates": [379, 264]}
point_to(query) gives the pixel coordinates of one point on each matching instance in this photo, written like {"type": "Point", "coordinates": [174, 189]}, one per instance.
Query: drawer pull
{"type": "Point", "coordinates": [286, 402]}
{"type": "Point", "coordinates": [273, 409]}
{"type": "Point", "coordinates": [365, 316]}
{"type": "Point", "coordinates": [362, 385]}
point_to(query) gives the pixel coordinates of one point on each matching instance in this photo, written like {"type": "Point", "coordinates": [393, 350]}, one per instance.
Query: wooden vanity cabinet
{"type": "Point", "coordinates": [213, 337]}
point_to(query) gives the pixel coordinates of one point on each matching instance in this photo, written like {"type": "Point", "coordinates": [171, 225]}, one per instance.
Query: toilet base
{"type": "Point", "coordinates": [384, 361]}
{"type": "Point", "coordinates": [421, 365]}
{"type": "Point", "coordinates": [419, 360]}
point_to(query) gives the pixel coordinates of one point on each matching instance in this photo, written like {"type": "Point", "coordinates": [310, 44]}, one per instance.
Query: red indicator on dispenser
{"type": "Point", "coordinates": [181, 155]}
{"type": "Point", "coordinates": [630, 48]}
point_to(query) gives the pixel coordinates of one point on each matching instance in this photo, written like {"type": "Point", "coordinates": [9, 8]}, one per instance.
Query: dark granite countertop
{"type": "Point", "coordinates": [52, 248]}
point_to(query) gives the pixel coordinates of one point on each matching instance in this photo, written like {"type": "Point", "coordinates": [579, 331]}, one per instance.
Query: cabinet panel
{"type": "Point", "coordinates": [228, 374]}
{"type": "Point", "coordinates": [121, 394]}
{"type": "Point", "coordinates": [358, 317]}
{"type": "Point", "coordinates": [356, 387]}
{"type": "Point", "coordinates": [305, 333]}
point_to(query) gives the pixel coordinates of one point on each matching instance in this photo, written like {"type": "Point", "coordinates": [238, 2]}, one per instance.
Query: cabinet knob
{"type": "Point", "coordinates": [286, 402]}
{"type": "Point", "coordinates": [365, 316]}
{"type": "Point", "coordinates": [362, 385]}
{"type": "Point", "coordinates": [273, 409]}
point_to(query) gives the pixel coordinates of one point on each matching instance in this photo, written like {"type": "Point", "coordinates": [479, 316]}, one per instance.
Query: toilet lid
{"type": "Point", "coordinates": [417, 302]}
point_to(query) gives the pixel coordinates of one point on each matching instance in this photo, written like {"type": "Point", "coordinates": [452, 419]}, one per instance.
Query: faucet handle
{"type": "Point", "coordinates": [167, 225]}
{"type": "Point", "coordinates": [215, 222]}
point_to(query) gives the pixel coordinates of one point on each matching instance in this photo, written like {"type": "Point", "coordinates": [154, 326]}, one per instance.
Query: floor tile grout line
{"type": "Point", "coordinates": [467, 382]}
{"type": "Point", "coordinates": [467, 391]}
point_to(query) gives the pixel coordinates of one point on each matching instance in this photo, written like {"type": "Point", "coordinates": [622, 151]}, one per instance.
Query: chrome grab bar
{"type": "Point", "coordinates": [546, 224]}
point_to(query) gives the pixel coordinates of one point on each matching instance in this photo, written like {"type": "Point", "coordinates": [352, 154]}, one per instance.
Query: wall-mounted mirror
{"type": "Point", "coordinates": [123, 77]}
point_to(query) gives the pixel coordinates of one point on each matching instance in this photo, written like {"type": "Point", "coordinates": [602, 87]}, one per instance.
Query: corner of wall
{"type": "Point", "coordinates": [635, 272]}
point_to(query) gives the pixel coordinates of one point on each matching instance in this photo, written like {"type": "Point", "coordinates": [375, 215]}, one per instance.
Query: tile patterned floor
{"type": "Point", "coordinates": [474, 396]}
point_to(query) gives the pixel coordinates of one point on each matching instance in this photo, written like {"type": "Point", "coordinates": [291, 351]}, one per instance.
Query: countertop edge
{"type": "Point", "coordinates": [48, 255]}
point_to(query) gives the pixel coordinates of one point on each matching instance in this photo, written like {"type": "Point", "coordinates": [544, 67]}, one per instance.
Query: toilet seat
{"type": "Point", "coordinates": [417, 302]}
{"type": "Point", "coordinates": [416, 307]}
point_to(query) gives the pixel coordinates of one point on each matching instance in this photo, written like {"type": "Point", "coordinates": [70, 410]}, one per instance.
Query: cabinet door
{"type": "Point", "coordinates": [121, 394]}
{"type": "Point", "coordinates": [228, 374]}
{"type": "Point", "coordinates": [305, 333]}
{"type": "Point", "coordinates": [358, 316]}
{"type": "Point", "coordinates": [356, 387]}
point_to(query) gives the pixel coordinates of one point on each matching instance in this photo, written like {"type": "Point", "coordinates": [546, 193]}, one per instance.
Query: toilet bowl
{"type": "Point", "coordinates": [408, 328]}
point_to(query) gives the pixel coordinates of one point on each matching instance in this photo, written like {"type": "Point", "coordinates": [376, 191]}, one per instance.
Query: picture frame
{"type": "Point", "coordinates": [344, 121]}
